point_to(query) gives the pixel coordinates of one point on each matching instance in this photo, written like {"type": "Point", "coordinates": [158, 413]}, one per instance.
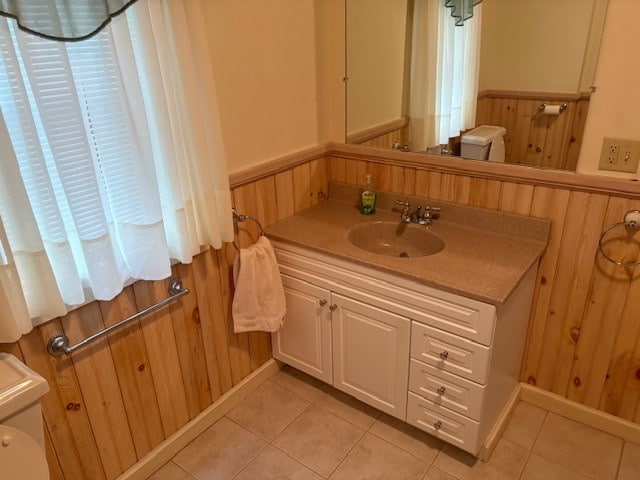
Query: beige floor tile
{"type": "Point", "coordinates": [437, 474]}
{"type": "Point", "coordinates": [506, 463]}
{"type": "Point", "coordinates": [524, 425]}
{"type": "Point", "coordinates": [220, 452]}
{"type": "Point", "coordinates": [272, 464]}
{"type": "Point", "coordinates": [374, 458]}
{"type": "Point", "coordinates": [579, 447]}
{"type": "Point", "coordinates": [630, 463]}
{"type": "Point", "coordinates": [319, 440]}
{"type": "Point", "coordinates": [409, 438]}
{"type": "Point", "coordinates": [539, 468]}
{"type": "Point", "coordinates": [299, 383]}
{"type": "Point", "coordinates": [347, 407]}
{"type": "Point", "coordinates": [170, 471]}
{"type": "Point", "coordinates": [268, 410]}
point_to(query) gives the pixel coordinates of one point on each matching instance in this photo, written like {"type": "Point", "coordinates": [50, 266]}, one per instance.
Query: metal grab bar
{"type": "Point", "coordinates": [59, 344]}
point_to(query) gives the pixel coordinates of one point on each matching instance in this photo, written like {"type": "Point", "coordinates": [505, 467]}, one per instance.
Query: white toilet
{"type": "Point", "coordinates": [485, 142]}
{"type": "Point", "coordinates": [21, 430]}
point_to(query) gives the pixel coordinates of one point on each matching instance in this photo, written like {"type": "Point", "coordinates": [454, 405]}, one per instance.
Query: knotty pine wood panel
{"type": "Point", "coordinates": [401, 136]}
{"type": "Point", "coordinates": [583, 337]}
{"type": "Point", "coordinates": [115, 400]}
{"type": "Point", "coordinates": [532, 138]}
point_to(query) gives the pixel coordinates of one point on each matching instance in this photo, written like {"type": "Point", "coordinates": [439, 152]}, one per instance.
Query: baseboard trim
{"type": "Point", "coordinates": [496, 432]}
{"type": "Point", "coordinates": [580, 413]}
{"type": "Point", "coordinates": [176, 442]}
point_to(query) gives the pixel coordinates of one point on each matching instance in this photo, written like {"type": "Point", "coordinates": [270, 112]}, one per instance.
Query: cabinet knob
{"type": "Point", "coordinates": [333, 306]}
{"type": "Point", "coordinates": [323, 302]}
{"type": "Point", "coordinates": [444, 355]}
{"type": "Point", "coordinates": [437, 425]}
{"type": "Point", "coordinates": [441, 390]}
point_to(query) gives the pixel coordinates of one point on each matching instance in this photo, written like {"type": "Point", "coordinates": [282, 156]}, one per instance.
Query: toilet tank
{"type": "Point", "coordinates": [476, 143]}
{"type": "Point", "coordinates": [20, 392]}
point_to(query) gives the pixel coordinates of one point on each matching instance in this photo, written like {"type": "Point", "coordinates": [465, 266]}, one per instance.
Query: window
{"type": "Point", "coordinates": [117, 164]}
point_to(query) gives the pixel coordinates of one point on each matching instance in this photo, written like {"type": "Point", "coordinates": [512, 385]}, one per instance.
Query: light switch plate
{"type": "Point", "coordinates": [619, 155]}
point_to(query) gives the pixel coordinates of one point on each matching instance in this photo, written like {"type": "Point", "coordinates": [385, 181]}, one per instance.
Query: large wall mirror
{"type": "Point", "coordinates": [532, 53]}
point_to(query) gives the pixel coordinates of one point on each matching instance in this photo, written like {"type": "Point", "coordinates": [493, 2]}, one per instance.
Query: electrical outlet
{"type": "Point", "coordinates": [619, 155]}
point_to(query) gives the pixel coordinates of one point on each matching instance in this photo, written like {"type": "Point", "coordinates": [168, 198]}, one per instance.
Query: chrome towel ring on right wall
{"type": "Point", "coordinates": [631, 223]}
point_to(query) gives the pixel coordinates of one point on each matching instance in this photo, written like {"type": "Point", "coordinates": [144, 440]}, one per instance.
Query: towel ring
{"type": "Point", "coordinates": [239, 218]}
{"type": "Point", "coordinates": [631, 221]}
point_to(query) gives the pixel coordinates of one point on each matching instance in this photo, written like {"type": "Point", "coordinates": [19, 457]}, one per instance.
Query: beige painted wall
{"type": "Point", "coordinates": [376, 32]}
{"type": "Point", "coordinates": [264, 54]}
{"type": "Point", "coordinates": [534, 45]}
{"type": "Point", "coordinates": [614, 106]}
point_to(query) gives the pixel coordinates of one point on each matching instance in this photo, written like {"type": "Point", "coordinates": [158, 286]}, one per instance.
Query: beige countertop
{"type": "Point", "coordinates": [486, 252]}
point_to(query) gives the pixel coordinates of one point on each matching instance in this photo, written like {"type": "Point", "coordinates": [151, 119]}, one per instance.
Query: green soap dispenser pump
{"type": "Point", "coordinates": [368, 197]}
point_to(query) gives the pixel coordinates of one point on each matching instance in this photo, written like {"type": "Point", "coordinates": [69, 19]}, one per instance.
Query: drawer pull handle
{"type": "Point", "coordinates": [440, 391]}
{"type": "Point", "coordinates": [444, 355]}
{"type": "Point", "coordinates": [323, 302]}
{"type": "Point", "coordinates": [333, 306]}
{"type": "Point", "coordinates": [437, 425]}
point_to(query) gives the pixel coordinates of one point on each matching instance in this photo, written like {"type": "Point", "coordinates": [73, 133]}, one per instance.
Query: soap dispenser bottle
{"type": "Point", "coordinates": [368, 197]}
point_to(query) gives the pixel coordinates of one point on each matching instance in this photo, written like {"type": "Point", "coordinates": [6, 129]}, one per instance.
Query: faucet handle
{"type": "Point", "coordinates": [403, 203]}
{"type": "Point", "coordinates": [433, 209]}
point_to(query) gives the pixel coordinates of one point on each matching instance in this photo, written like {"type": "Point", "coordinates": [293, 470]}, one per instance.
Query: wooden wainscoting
{"type": "Point", "coordinates": [115, 400]}
{"type": "Point", "coordinates": [584, 334]}
{"type": "Point", "coordinates": [532, 138]}
{"type": "Point", "coordinates": [382, 136]}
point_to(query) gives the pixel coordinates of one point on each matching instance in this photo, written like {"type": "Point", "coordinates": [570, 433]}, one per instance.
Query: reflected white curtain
{"type": "Point", "coordinates": [118, 171]}
{"type": "Point", "coordinates": [445, 64]}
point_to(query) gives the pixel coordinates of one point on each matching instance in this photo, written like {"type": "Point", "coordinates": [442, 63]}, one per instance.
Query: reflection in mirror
{"type": "Point", "coordinates": [531, 55]}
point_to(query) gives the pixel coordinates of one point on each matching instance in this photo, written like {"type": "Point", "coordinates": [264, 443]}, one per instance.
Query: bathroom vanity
{"type": "Point", "coordinates": [434, 340]}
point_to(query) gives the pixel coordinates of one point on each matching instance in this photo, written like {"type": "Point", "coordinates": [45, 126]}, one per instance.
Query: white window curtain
{"type": "Point", "coordinates": [112, 161]}
{"type": "Point", "coordinates": [445, 63]}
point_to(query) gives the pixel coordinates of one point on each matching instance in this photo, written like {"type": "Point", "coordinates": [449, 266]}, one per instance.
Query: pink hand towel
{"type": "Point", "coordinates": [258, 302]}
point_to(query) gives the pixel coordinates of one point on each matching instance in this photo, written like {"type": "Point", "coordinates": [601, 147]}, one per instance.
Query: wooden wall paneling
{"type": "Point", "coordinates": [323, 179]}
{"type": "Point", "coordinates": [238, 344]}
{"type": "Point", "coordinates": [600, 326]}
{"type": "Point", "coordinates": [578, 123]}
{"type": "Point", "coordinates": [246, 201]}
{"type": "Point", "coordinates": [373, 168]}
{"type": "Point", "coordinates": [508, 120]}
{"type": "Point", "coordinates": [301, 187]}
{"type": "Point", "coordinates": [435, 186]}
{"type": "Point", "coordinates": [284, 194]}
{"type": "Point", "coordinates": [248, 233]}
{"type": "Point", "coordinates": [549, 203]}
{"type": "Point", "coordinates": [266, 200]}
{"type": "Point", "coordinates": [63, 406]}
{"type": "Point", "coordinates": [520, 135]}
{"type": "Point", "coordinates": [583, 224]}
{"type": "Point", "coordinates": [361, 172]}
{"type": "Point", "coordinates": [135, 381]}
{"type": "Point", "coordinates": [98, 383]}
{"type": "Point", "coordinates": [338, 169]}
{"type": "Point", "coordinates": [386, 177]}
{"type": "Point", "coordinates": [484, 193]}
{"type": "Point", "coordinates": [423, 182]}
{"type": "Point", "coordinates": [11, 348]}
{"type": "Point", "coordinates": [516, 197]}
{"type": "Point", "coordinates": [351, 170]}
{"type": "Point", "coordinates": [409, 181]}
{"type": "Point", "coordinates": [55, 471]}
{"type": "Point", "coordinates": [186, 325]}
{"type": "Point", "coordinates": [164, 361]}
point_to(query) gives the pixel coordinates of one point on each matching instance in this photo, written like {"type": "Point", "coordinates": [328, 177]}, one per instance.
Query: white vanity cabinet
{"type": "Point", "coordinates": [442, 362]}
{"type": "Point", "coordinates": [360, 349]}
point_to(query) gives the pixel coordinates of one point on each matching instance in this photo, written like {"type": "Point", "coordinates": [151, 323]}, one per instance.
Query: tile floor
{"type": "Point", "coordinates": [293, 427]}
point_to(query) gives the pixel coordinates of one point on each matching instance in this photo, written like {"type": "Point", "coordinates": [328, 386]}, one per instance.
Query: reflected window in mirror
{"type": "Point", "coordinates": [531, 53]}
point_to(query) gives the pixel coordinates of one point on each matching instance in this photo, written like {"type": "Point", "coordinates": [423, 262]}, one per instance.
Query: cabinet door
{"type": "Point", "coordinates": [371, 354]}
{"type": "Point", "coordinates": [304, 341]}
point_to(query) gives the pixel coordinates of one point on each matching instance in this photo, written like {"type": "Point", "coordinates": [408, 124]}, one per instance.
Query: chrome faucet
{"type": "Point", "coordinates": [418, 216]}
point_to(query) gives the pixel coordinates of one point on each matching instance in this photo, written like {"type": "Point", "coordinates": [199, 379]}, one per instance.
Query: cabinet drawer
{"type": "Point", "coordinates": [446, 389]}
{"type": "Point", "coordinates": [443, 423]}
{"type": "Point", "coordinates": [450, 312]}
{"type": "Point", "coordinates": [449, 352]}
